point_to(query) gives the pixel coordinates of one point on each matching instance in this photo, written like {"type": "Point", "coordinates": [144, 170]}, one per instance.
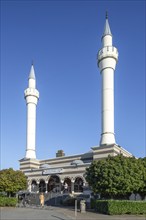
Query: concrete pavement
{"type": "Point", "coordinates": [58, 213]}
{"type": "Point", "coordinates": [90, 215]}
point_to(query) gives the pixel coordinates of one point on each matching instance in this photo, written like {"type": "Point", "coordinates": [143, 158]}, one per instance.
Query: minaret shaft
{"type": "Point", "coordinates": [107, 59]}
{"type": "Point", "coordinates": [31, 95]}
{"type": "Point", "coordinates": [31, 126]}
{"type": "Point", "coordinates": [107, 111]}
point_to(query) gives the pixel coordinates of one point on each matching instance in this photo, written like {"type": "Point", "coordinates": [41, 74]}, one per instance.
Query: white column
{"type": "Point", "coordinates": [31, 95]}
{"type": "Point", "coordinates": [107, 110]}
{"type": "Point", "coordinates": [38, 182]}
{"type": "Point", "coordinates": [46, 182]}
{"type": "Point", "coordinates": [72, 186]}
{"type": "Point", "coordinates": [31, 130]}
{"type": "Point", "coordinates": [61, 182]}
{"type": "Point", "coordinates": [107, 59]}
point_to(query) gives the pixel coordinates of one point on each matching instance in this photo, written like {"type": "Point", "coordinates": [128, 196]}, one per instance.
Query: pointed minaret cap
{"type": "Point", "coordinates": [32, 73]}
{"type": "Point", "coordinates": [107, 30]}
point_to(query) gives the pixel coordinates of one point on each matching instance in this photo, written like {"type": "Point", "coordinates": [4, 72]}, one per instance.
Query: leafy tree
{"type": "Point", "coordinates": [116, 177]}
{"type": "Point", "coordinates": [12, 181]}
{"type": "Point", "coordinates": [142, 190]}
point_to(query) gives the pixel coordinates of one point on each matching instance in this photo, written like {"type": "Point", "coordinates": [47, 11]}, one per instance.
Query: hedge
{"type": "Point", "coordinates": [117, 207]}
{"type": "Point", "coordinates": [6, 201]}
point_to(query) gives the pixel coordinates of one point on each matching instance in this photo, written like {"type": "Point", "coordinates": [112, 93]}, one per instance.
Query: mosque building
{"type": "Point", "coordinates": [68, 172]}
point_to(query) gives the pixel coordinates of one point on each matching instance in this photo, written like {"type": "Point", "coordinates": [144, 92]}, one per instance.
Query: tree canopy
{"type": "Point", "coordinates": [117, 177]}
{"type": "Point", "coordinates": [12, 181]}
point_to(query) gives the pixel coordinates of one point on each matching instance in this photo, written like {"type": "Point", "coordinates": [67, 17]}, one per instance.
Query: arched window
{"type": "Point", "coordinates": [78, 185]}
{"type": "Point", "coordinates": [42, 186]}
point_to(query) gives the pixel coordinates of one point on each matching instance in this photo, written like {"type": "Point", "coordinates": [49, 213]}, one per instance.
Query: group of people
{"type": "Point", "coordinates": [42, 197]}
{"type": "Point", "coordinates": [24, 200]}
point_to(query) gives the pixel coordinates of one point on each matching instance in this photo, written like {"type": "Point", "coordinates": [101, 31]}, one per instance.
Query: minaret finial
{"type": "Point", "coordinates": [106, 15]}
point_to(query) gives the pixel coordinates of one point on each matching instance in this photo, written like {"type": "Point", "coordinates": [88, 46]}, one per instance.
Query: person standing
{"type": "Point", "coordinates": [42, 199]}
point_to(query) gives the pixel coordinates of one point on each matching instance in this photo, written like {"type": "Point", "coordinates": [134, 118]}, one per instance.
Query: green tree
{"type": "Point", "coordinates": [142, 190]}
{"type": "Point", "coordinates": [116, 177]}
{"type": "Point", "coordinates": [12, 181]}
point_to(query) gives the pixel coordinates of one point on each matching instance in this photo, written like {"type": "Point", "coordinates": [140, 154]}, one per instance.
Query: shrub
{"type": "Point", "coordinates": [117, 207]}
{"type": "Point", "coordinates": [92, 203]}
{"type": "Point", "coordinates": [6, 201]}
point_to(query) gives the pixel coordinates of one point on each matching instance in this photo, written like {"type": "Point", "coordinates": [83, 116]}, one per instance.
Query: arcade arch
{"type": "Point", "coordinates": [54, 184]}
{"type": "Point", "coordinates": [42, 186]}
{"type": "Point", "coordinates": [34, 186]}
{"type": "Point", "coordinates": [67, 185]}
{"type": "Point", "coordinates": [78, 184]}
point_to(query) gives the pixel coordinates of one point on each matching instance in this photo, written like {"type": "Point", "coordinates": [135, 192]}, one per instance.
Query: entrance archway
{"type": "Point", "coordinates": [54, 184]}
{"type": "Point", "coordinates": [67, 185]}
{"type": "Point", "coordinates": [78, 185]}
{"type": "Point", "coordinates": [42, 186]}
{"type": "Point", "coordinates": [34, 186]}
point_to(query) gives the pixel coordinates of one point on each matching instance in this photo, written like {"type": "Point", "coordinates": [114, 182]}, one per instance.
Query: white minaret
{"type": "Point", "coordinates": [107, 59]}
{"type": "Point", "coordinates": [31, 95]}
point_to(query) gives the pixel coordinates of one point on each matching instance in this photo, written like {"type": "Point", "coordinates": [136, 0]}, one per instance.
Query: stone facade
{"type": "Point", "coordinates": [65, 173]}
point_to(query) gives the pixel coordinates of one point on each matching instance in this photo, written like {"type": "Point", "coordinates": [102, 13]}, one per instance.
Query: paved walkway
{"type": "Point", "coordinates": [90, 215]}
{"type": "Point", "coordinates": [57, 213]}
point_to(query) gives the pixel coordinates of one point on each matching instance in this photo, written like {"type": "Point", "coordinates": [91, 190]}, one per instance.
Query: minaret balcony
{"type": "Point", "coordinates": [31, 92]}
{"type": "Point", "coordinates": [107, 52]}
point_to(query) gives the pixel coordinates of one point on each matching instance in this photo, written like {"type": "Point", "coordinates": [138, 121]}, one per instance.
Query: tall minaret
{"type": "Point", "coordinates": [107, 59]}
{"type": "Point", "coordinates": [31, 95]}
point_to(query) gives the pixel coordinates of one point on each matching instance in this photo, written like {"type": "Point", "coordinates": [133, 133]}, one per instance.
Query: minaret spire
{"type": "Point", "coordinates": [107, 30]}
{"type": "Point", "coordinates": [32, 72]}
{"type": "Point", "coordinates": [31, 95]}
{"type": "Point", "coordinates": [107, 59]}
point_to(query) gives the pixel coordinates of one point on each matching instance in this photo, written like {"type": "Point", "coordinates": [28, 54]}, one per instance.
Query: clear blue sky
{"type": "Point", "coordinates": [63, 38]}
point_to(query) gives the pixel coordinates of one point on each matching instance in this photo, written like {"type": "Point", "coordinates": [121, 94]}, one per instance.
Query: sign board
{"type": "Point", "coordinates": [52, 171]}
